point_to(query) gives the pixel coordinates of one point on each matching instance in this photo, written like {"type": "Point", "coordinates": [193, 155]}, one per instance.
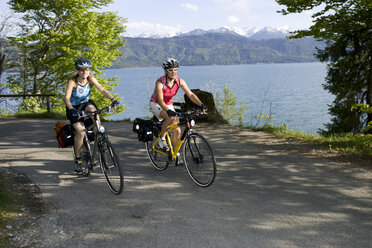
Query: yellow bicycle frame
{"type": "Point", "coordinates": [173, 151]}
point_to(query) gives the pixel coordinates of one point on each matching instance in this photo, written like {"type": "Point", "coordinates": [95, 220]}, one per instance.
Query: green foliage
{"type": "Point", "coordinates": [215, 49]}
{"type": "Point", "coordinates": [366, 108]}
{"type": "Point", "coordinates": [53, 35]}
{"type": "Point", "coordinates": [265, 119]}
{"type": "Point", "coordinates": [42, 114]}
{"type": "Point", "coordinates": [363, 108]}
{"type": "Point", "coordinates": [229, 108]}
{"type": "Point", "coordinates": [353, 144]}
{"type": "Point", "coordinates": [31, 104]}
{"type": "Point", "coordinates": [345, 26]}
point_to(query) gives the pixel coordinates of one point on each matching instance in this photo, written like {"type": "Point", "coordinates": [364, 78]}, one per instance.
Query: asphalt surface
{"type": "Point", "coordinates": [263, 195]}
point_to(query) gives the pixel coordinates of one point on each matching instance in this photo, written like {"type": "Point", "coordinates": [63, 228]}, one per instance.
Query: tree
{"type": "Point", "coordinates": [346, 27]}
{"type": "Point", "coordinates": [5, 29]}
{"type": "Point", "coordinates": [53, 34]}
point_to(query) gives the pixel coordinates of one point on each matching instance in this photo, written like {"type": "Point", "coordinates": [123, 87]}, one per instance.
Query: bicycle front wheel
{"type": "Point", "coordinates": [110, 166]}
{"type": "Point", "coordinates": [199, 160]}
{"type": "Point", "coordinates": [85, 155]}
{"type": "Point", "coordinates": [158, 160]}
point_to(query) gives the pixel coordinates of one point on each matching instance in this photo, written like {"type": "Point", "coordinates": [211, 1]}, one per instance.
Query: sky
{"type": "Point", "coordinates": [172, 17]}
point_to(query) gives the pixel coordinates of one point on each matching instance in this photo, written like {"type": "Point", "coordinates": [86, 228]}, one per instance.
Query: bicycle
{"type": "Point", "coordinates": [107, 157]}
{"type": "Point", "coordinates": [198, 156]}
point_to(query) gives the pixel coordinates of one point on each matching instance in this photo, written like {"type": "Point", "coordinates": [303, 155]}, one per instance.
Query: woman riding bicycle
{"type": "Point", "coordinates": [77, 99]}
{"type": "Point", "coordinates": [161, 103]}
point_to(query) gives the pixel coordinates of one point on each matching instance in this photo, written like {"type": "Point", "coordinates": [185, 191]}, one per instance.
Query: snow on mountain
{"type": "Point", "coordinates": [224, 30]}
{"type": "Point", "coordinates": [198, 31]}
{"type": "Point", "coordinates": [269, 33]}
{"type": "Point", "coordinates": [250, 32]}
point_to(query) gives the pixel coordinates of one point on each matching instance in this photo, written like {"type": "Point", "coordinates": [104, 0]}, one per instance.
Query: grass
{"type": "Point", "coordinates": [351, 144]}
{"type": "Point", "coordinates": [11, 203]}
{"type": "Point", "coordinates": [47, 115]}
{"type": "Point", "coordinates": [41, 115]}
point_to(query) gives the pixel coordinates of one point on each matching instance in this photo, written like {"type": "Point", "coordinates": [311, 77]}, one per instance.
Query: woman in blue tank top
{"type": "Point", "coordinates": [77, 99]}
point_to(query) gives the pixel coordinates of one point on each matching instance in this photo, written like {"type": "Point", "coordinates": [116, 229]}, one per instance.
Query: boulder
{"type": "Point", "coordinates": [208, 100]}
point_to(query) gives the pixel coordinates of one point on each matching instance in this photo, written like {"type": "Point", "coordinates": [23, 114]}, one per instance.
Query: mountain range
{"type": "Point", "coordinates": [221, 46]}
{"type": "Point", "coordinates": [249, 32]}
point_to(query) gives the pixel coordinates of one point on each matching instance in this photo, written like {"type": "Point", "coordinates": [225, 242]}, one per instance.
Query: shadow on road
{"type": "Point", "coordinates": [263, 196]}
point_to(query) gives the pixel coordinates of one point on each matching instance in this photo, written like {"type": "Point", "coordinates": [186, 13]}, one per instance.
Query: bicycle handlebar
{"type": "Point", "coordinates": [190, 112]}
{"type": "Point", "coordinates": [97, 111]}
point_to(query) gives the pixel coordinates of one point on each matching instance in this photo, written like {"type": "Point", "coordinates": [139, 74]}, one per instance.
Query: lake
{"type": "Point", "coordinates": [292, 93]}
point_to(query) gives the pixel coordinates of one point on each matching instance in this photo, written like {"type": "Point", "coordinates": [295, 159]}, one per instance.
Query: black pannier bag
{"type": "Point", "coordinates": [65, 136]}
{"type": "Point", "coordinates": [143, 128]}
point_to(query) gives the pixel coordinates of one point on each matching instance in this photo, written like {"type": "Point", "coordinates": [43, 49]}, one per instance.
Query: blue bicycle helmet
{"type": "Point", "coordinates": [170, 63]}
{"type": "Point", "coordinates": [82, 63]}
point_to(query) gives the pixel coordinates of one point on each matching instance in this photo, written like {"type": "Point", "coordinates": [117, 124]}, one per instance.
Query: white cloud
{"type": "Point", "coordinates": [233, 19]}
{"type": "Point", "coordinates": [239, 6]}
{"type": "Point", "coordinates": [149, 29]}
{"type": "Point", "coordinates": [190, 6]}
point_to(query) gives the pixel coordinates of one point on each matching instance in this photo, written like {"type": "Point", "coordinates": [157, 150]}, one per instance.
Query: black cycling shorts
{"type": "Point", "coordinates": [74, 119]}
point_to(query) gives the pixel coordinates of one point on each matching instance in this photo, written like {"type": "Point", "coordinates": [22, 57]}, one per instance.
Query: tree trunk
{"type": "Point", "coordinates": [2, 63]}
{"type": "Point", "coordinates": [36, 83]}
{"type": "Point", "coordinates": [369, 88]}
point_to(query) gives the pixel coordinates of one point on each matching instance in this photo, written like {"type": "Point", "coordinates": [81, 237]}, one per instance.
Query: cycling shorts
{"type": "Point", "coordinates": [156, 109]}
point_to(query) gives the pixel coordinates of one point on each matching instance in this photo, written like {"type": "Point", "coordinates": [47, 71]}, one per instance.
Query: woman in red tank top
{"type": "Point", "coordinates": [161, 103]}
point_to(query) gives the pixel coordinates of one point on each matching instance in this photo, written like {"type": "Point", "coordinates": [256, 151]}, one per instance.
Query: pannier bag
{"type": "Point", "coordinates": [143, 128]}
{"type": "Point", "coordinates": [64, 134]}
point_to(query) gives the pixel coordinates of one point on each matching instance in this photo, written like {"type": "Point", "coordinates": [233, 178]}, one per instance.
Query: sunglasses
{"type": "Point", "coordinates": [172, 69]}
{"type": "Point", "coordinates": [84, 69]}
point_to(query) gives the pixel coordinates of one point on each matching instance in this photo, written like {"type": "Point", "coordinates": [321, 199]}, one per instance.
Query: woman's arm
{"type": "Point", "coordinates": [159, 95]}
{"type": "Point", "coordinates": [70, 87]}
{"type": "Point", "coordinates": [189, 93]}
{"type": "Point", "coordinates": [106, 93]}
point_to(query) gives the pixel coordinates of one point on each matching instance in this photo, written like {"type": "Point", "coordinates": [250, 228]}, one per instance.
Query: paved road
{"type": "Point", "coordinates": [263, 196]}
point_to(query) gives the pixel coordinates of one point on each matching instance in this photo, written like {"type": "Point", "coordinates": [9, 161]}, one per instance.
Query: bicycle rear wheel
{"type": "Point", "coordinates": [199, 160]}
{"type": "Point", "coordinates": [158, 160]}
{"type": "Point", "coordinates": [110, 166]}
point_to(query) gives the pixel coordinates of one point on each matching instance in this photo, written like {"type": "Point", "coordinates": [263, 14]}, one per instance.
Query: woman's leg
{"type": "Point", "coordinates": [166, 123]}
{"type": "Point", "coordinates": [78, 140]}
{"type": "Point", "coordinates": [92, 108]}
{"type": "Point", "coordinates": [176, 136]}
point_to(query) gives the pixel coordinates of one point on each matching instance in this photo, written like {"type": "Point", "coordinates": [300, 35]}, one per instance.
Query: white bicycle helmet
{"type": "Point", "coordinates": [170, 63]}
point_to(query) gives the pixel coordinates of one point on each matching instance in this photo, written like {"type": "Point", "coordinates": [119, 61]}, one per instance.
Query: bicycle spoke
{"type": "Point", "coordinates": [158, 160]}
{"type": "Point", "coordinates": [199, 160]}
{"type": "Point", "coordinates": [85, 157]}
{"type": "Point", "coordinates": [111, 168]}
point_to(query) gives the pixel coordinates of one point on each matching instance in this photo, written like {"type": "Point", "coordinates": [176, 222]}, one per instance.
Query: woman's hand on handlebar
{"type": "Point", "coordinates": [203, 108]}
{"type": "Point", "coordinates": [114, 104]}
{"type": "Point", "coordinates": [74, 112]}
{"type": "Point", "coordinates": [171, 113]}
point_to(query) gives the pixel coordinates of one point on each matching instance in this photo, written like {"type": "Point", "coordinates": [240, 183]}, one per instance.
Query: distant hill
{"type": "Point", "coordinates": [215, 48]}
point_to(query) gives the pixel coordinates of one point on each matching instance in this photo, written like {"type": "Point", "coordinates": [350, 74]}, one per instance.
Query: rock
{"type": "Point", "coordinates": [208, 100]}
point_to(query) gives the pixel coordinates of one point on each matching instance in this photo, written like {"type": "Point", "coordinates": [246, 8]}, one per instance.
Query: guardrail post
{"type": "Point", "coordinates": [48, 104]}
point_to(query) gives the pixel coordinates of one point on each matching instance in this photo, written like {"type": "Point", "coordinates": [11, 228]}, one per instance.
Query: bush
{"type": "Point", "coordinates": [229, 108]}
